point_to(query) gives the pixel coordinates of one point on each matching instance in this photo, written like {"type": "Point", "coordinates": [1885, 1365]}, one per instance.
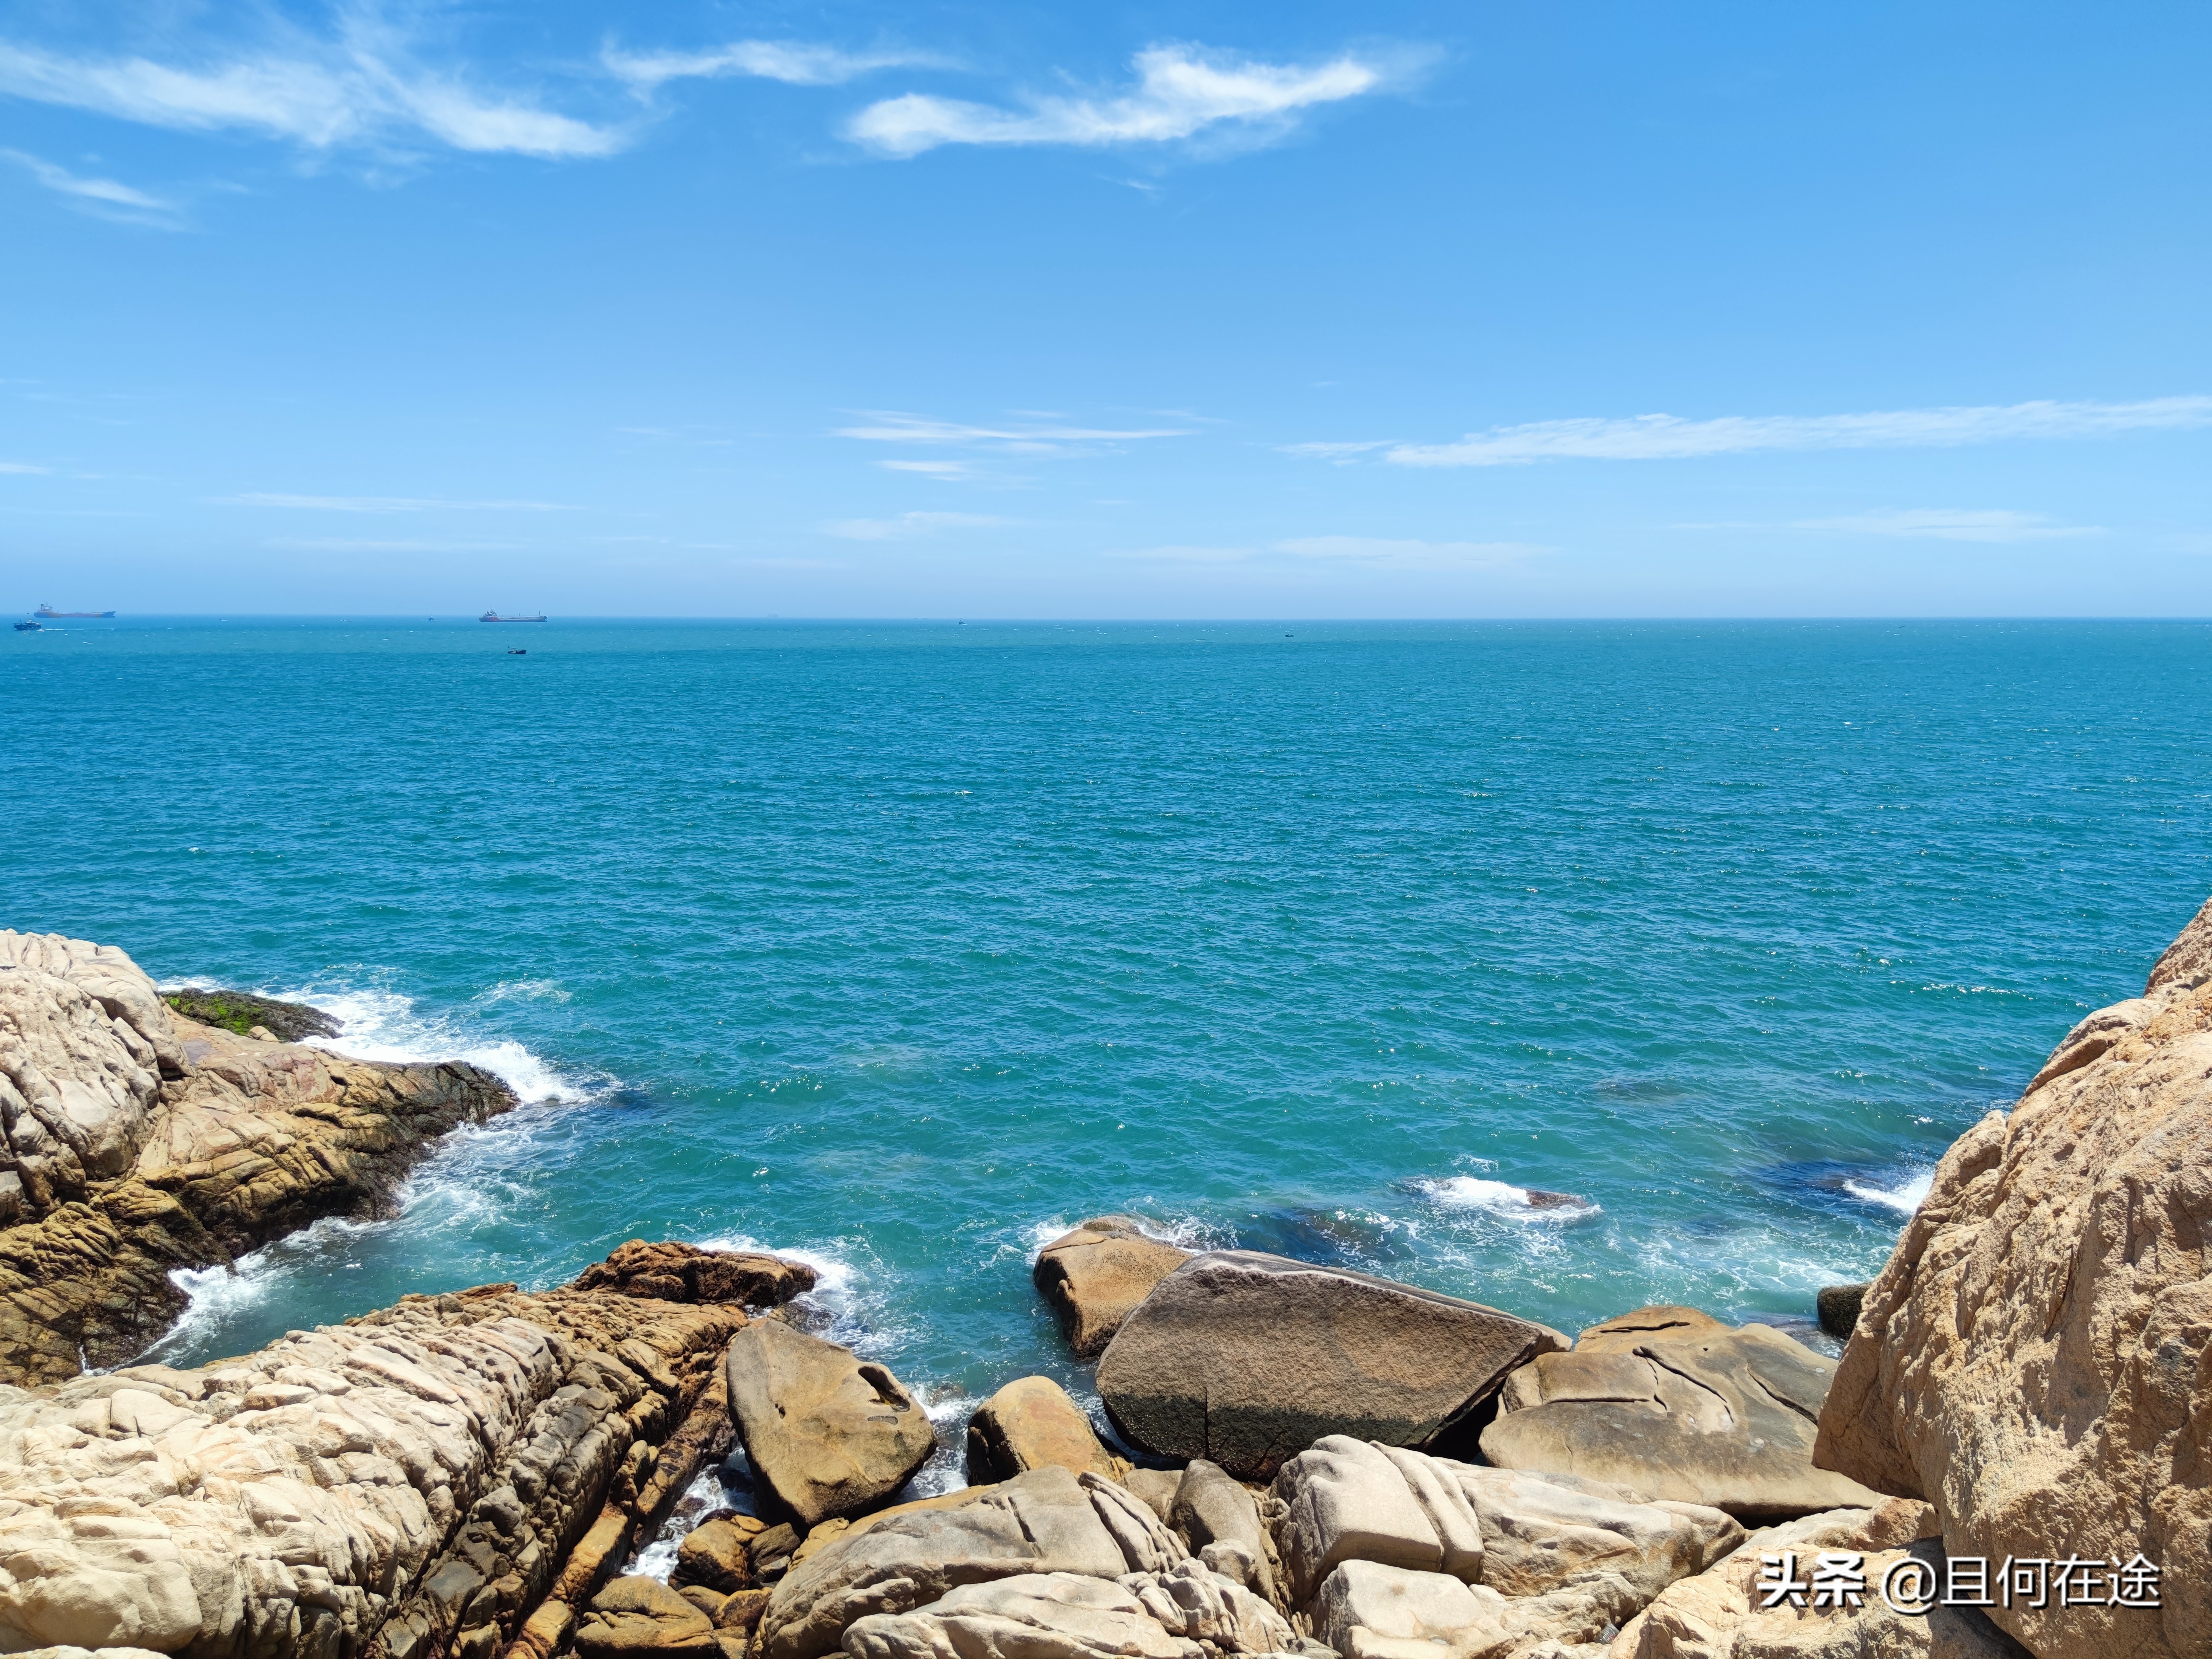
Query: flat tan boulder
{"type": "Point", "coordinates": [1029, 1424]}
{"type": "Point", "coordinates": [1246, 1359]}
{"type": "Point", "coordinates": [1672, 1403]}
{"type": "Point", "coordinates": [2031, 1360]}
{"type": "Point", "coordinates": [716, 1555]}
{"type": "Point", "coordinates": [1094, 1275]}
{"type": "Point", "coordinates": [643, 1619]}
{"type": "Point", "coordinates": [1049, 1520]}
{"type": "Point", "coordinates": [1365, 1610]}
{"type": "Point", "coordinates": [827, 1433]}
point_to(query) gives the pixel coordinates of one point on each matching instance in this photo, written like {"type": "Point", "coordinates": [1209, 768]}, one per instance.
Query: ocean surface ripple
{"type": "Point", "coordinates": [1567, 967]}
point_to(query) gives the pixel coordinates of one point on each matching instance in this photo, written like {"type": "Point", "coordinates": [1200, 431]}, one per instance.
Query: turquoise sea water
{"type": "Point", "coordinates": [903, 947]}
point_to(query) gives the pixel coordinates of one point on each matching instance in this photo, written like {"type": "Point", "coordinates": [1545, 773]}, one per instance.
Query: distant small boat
{"type": "Point", "coordinates": [27, 626]}
{"type": "Point", "coordinates": [49, 611]}
{"type": "Point", "coordinates": [494, 615]}
{"type": "Point", "coordinates": [517, 650]}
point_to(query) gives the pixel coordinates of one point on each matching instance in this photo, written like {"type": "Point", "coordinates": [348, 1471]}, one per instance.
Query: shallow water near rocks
{"type": "Point", "coordinates": [900, 947]}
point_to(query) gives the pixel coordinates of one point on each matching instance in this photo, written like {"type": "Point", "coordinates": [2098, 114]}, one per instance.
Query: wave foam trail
{"type": "Point", "coordinates": [1904, 1197]}
{"type": "Point", "coordinates": [699, 1499]}
{"type": "Point", "coordinates": [384, 1024]}
{"type": "Point", "coordinates": [1505, 1200]}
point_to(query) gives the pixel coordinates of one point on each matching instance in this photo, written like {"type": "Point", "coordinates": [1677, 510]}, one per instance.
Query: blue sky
{"type": "Point", "coordinates": [980, 309]}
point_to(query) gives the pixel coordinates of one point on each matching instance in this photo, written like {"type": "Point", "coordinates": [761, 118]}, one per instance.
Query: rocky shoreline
{"type": "Point", "coordinates": [1293, 1459]}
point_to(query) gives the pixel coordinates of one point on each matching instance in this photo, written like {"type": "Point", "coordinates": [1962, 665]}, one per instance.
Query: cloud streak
{"type": "Point", "coordinates": [795, 63]}
{"type": "Point", "coordinates": [1954, 525]}
{"type": "Point", "coordinates": [361, 89]}
{"type": "Point", "coordinates": [1181, 92]}
{"type": "Point", "coordinates": [1668, 437]}
{"type": "Point", "coordinates": [105, 197]}
{"type": "Point", "coordinates": [910, 526]}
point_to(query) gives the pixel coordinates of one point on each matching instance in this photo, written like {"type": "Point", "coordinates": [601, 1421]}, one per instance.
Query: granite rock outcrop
{"type": "Point", "coordinates": [827, 1433]}
{"type": "Point", "coordinates": [137, 1142]}
{"type": "Point", "coordinates": [2036, 1358]}
{"type": "Point", "coordinates": [1093, 1275]}
{"type": "Point", "coordinates": [449, 1476]}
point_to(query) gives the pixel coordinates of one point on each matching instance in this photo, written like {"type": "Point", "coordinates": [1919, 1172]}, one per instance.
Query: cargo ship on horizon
{"type": "Point", "coordinates": [494, 615]}
{"type": "Point", "coordinates": [50, 613]}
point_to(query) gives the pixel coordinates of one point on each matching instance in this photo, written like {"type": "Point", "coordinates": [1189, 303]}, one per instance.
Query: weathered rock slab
{"type": "Point", "coordinates": [669, 1272]}
{"type": "Point", "coordinates": [1093, 1275]}
{"type": "Point", "coordinates": [1049, 1520]}
{"type": "Point", "coordinates": [1245, 1359]}
{"type": "Point", "coordinates": [1672, 1403]}
{"type": "Point", "coordinates": [2033, 1357]}
{"type": "Point", "coordinates": [827, 1433]}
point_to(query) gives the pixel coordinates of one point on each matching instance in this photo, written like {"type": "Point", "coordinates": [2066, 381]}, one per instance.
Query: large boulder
{"type": "Point", "coordinates": [717, 1554]}
{"type": "Point", "coordinates": [1049, 1520]}
{"type": "Point", "coordinates": [1246, 1359]}
{"type": "Point", "coordinates": [1094, 1275]}
{"type": "Point", "coordinates": [827, 1433]}
{"type": "Point", "coordinates": [643, 1619]}
{"type": "Point", "coordinates": [1185, 1613]}
{"type": "Point", "coordinates": [1029, 1424]}
{"type": "Point", "coordinates": [1520, 1535]}
{"type": "Point", "coordinates": [1674, 1404]}
{"type": "Point", "coordinates": [2032, 1358]}
{"type": "Point", "coordinates": [669, 1272]}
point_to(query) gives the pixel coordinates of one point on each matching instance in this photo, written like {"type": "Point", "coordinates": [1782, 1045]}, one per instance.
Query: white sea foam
{"type": "Point", "coordinates": [703, 1496]}
{"type": "Point", "coordinates": [1904, 1197]}
{"type": "Point", "coordinates": [850, 1307]}
{"type": "Point", "coordinates": [218, 1298]}
{"type": "Point", "coordinates": [1504, 1200]}
{"type": "Point", "coordinates": [1187, 1232]}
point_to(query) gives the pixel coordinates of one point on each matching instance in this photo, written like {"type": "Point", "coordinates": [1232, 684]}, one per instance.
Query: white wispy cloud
{"type": "Point", "coordinates": [910, 527]}
{"type": "Point", "coordinates": [386, 504]}
{"type": "Point", "coordinates": [1390, 553]}
{"type": "Point", "coordinates": [105, 197]}
{"type": "Point", "coordinates": [1026, 438]}
{"type": "Point", "coordinates": [1339, 453]}
{"type": "Point", "coordinates": [23, 466]}
{"type": "Point", "coordinates": [1953, 525]}
{"type": "Point", "coordinates": [797, 63]}
{"type": "Point", "coordinates": [943, 471]}
{"type": "Point", "coordinates": [361, 87]}
{"type": "Point", "coordinates": [1669, 437]}
{"type": "Point", "coordinates": [1175, 554]}
{"type": "Point", "coordinates": [1181, 92]}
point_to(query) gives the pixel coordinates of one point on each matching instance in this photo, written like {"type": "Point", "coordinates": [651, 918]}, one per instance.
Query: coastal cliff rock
{"type": "Point", "coordinates": [1677, 1404]}
{"type": "Point", "coordinates": [448, 1476]}
{"type": "Point", "coordinates": [1246, 1359]}
{"type": "Point", "coordinates": [137, 1141]}
{"type": "Point", "coordinates": [1093, 1275]}
{"type": "Point", "coordinates": [2033, 1359]}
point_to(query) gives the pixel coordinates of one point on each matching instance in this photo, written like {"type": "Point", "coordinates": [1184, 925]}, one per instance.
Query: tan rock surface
{"type": "Point", "coordinates": [1677, 1404]}
{"type": "Point", "coordinates": [1047, 1520]}
{"type": "Point", "coordinates": [827, 1433]}
{"type": "Point", "coordinates": [684, 1273]}
{"type": "Point", "coordinates": [2033, 1360]}
{"type": "Point", "coordinates": [1246, 1359]}
{"type": "Point", "coordinates": [450, 1475]}
{"type": "Point", "coordinates": [137, 1142]}
{"type": "Point", "coordinates": [1028, 1423]}
{"type": "Point", "coordinates": [1093, 1275]}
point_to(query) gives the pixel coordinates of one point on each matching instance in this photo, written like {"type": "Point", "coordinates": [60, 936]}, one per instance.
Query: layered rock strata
{"type": "Point", "coordinates": [137, 1142]}
{"type": "Point", "coordinates": [454, 1475]}
{"type": "Point", "coordinates": [2036, 1359]}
